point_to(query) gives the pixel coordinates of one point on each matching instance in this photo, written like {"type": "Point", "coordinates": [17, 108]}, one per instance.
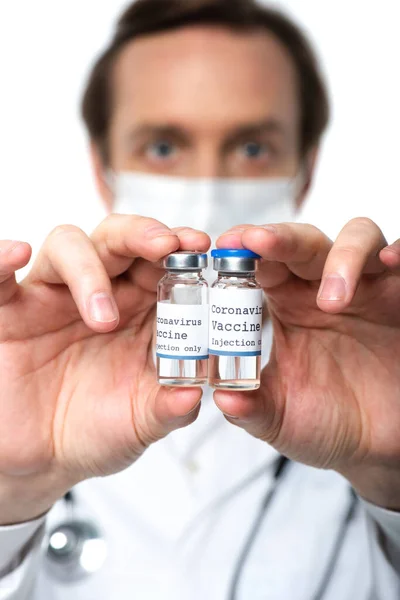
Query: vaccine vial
{"type": "Point", "coordinates": [235, 323]}
{"type": "Point", "coordinates": [182, 321]}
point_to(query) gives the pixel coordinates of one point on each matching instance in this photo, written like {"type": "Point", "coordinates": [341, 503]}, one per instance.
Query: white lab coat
{"type": "Point", "coordinates": [174, 532]}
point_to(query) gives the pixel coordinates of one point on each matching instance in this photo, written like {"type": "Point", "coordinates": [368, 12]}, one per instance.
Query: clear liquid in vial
{"type": "Point", "coordinates": [229, 295]}
{"type": "Point", "coordinates": [239, 373]}
{"type": "Point", "coordinates": [184, 373]}
{"type": "Point", "coordinates": [187, 293]}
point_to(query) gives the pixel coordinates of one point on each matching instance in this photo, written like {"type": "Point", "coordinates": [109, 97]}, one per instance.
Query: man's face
{"type": "Point", "coordinates": [205, 102]}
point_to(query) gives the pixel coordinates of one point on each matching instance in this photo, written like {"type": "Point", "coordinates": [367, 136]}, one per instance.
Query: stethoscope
{"type": "Point", "coordinates": [280, 468]}
{"type": "Point", "coordinates": [76, 547]}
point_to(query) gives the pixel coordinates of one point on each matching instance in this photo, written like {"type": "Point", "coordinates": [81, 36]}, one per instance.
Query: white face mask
{"type": "Point", "coordinates": [211, 205]}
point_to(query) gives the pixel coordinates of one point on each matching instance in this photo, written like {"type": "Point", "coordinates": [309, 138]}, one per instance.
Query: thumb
{"type": "Point", "coordinates": [172, 408]}
{"type": "Point", "coordinates": [259, 412]}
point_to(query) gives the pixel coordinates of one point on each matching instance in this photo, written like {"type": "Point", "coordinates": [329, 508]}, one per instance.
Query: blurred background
{"type": "Point", "coordinates": [47, 47]}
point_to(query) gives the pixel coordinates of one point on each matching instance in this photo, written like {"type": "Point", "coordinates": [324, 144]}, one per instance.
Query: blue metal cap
{"type": "Point", "coordinates": [225, 253]}
{"type": "Point", "coordinates": [234, 261]}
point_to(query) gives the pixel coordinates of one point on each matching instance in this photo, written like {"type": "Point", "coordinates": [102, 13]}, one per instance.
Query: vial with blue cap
{"type": "Point", "coordinates": [235, 322]}
{"type": "Point", "coordinates": [182, 321]}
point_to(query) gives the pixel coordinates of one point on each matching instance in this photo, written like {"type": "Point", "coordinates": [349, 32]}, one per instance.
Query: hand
{"type": "Point", "coordinates": [78, 395]}
{"type": "Point", "coordinates": [330, 395]}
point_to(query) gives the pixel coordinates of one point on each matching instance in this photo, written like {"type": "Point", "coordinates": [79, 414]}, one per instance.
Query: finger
{"type": "Point", "coordinates": [252, 411]}
{"type": "Point", "coordinates": [147, 275]}
{"type": "Point", "coordinates": [166, 409]}
{"type": "Point", "coordinates": [287, 248]}
{"type": "Point", "coordinates": [269, 275]}
{"type": "Point", "coordinates": [69, 257]}
{"type": "Point", "coordinates": [232, 238]}
{"type": "Point", "coordinates": [13, 256]}
{"type": "Point", "coordinates": [175, 408]}
{"type": "Point", "coordinates": [120, 239]}
{"type": "Point", "coordinates": [390, 257]}
{"type": "Point", "coordinates": [152, 414]}
{"type": "Point", "coordinates": [192, 240]}
{"type": "Point", "coordinates": [356, 251]}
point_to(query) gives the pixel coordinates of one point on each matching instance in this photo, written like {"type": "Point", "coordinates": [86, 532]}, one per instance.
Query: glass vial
{"type": "Point", "coordinates": [182, 321]}
{"type": "Point", "coordinates": [235, 322]}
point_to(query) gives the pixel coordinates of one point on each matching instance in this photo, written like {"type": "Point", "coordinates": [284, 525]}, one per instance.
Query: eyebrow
{"type": "Point", "coordinates": [147, 131]}
{"type": "Point", "coordinates": [269, 126]}
{"type": "Point", "coordinates": [265, 127]}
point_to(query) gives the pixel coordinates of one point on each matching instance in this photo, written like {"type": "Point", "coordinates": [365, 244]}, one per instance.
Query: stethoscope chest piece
{"type": "Point", "coordinates": [75, 550]}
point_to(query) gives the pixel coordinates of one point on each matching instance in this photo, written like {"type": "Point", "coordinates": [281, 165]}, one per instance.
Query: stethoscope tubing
{"type": "Point", "coordinates": [280, 468]}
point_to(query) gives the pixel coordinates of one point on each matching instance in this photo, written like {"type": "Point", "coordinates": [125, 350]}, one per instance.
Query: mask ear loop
{"type": "Point", "coordinates": [110, 179]}
{"type": "Point", "coordinates": [300, 183]}
{"type": "Point", "coordinates": [305, 174]}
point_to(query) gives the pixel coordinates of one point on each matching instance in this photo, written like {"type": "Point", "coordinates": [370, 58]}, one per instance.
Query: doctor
{"type": "Point", "coordinates": [207, 114]}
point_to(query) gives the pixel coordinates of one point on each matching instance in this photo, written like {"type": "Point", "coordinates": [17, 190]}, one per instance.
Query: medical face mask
{"type": "Point", "coordinates": [211, 205]}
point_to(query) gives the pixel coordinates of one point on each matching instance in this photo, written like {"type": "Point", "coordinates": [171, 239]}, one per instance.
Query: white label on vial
{"type": "Point", "coordinates": [182, 331]}
{"type": "Point", "coordinates": [235, 322]}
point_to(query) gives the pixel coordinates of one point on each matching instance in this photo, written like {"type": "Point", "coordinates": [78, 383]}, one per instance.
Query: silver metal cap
{"type": "Point", "coordinates": [235, 264]}
{"type": "Point", "coordinates": [185, 261]}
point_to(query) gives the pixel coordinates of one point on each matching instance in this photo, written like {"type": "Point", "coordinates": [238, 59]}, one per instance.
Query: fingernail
{"type": "Point", "coordinates": [11, 247]}
{"type": "Point", "coordinates": [103, 308]}
{"type": "Point", "coordinates": [233, 232]}
{"type": "Point", "coordinates": [333, 288]}
{"type": "Point", "coordinates": [270, 228]}
{"type": "Point", "coordinates": [185, 230]}
{"type": "Point", "coordinates": [231, 417]}
{"type": "Point", "coordinates": [156, 231]}
{"type": "Point", "coordinates": [237, 230]}
{"type": "Point", "coordinates": [393, 249]}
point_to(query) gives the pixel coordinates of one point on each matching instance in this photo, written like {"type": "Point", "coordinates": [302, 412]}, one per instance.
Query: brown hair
{"type": "Point", "coordinates": [145, 17]}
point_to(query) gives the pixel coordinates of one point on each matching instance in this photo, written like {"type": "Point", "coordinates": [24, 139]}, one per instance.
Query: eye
{"type": "Point", "coordinates": [253, 150]}
{"type": "Point", "coordinates": [161, 150]}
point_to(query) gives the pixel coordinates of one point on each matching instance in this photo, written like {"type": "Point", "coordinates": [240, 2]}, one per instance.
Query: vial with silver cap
{"type": "Point", "coordinates": [182, 321]}
{"type": "Point", "coordinates": [235, 323]}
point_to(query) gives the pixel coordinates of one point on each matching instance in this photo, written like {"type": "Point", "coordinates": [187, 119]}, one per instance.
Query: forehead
{"type": "Point", "coordinates": [205, 74]}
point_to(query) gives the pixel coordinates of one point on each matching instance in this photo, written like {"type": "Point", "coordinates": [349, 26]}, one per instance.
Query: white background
{"type": "Point", "coordinates": [47, 46]}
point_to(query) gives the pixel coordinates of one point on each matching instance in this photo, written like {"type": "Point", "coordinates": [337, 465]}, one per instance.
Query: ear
{"type": "Point", "coordinates": [99, 172]}
{"type": "Point", "coordinates": [309, 166]}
